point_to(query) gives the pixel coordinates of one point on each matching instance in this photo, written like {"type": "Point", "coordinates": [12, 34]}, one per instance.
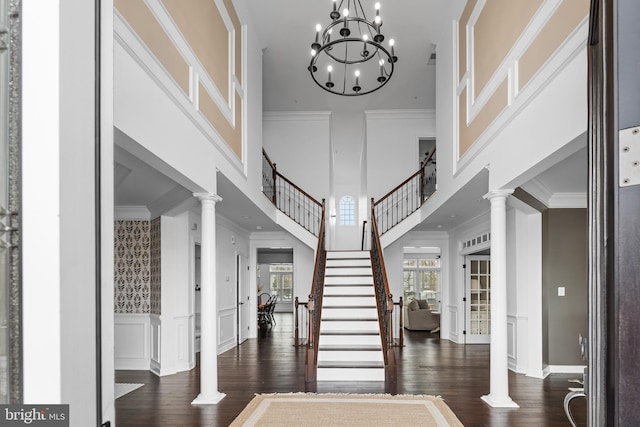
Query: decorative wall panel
{"type": "Point", "coordinates": [199, 43]}
{"type": "Point", "coordinates": [132, 267]}
{"type": "Point", "coordinates": [156, 282]}
{"type": "Point", "coordinates": [502, 46]}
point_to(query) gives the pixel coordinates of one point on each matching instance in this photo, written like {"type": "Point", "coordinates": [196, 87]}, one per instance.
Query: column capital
{"type": "Point", "coordinates": [504, 193]}
{"type": "Point", "coordinates": [208, 196]}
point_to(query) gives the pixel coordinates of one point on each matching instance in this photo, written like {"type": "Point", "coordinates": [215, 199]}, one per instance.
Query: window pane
{"type": "Point", "coordinates": [433, 263]}
{"type": "Point", "coordinates": [347, 211]}
{"type": "Point", "coordinates": [409, 263]}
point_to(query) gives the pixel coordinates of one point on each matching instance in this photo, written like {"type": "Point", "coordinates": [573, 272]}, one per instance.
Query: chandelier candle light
{"type": "Point", "coordinates": [357, 56]}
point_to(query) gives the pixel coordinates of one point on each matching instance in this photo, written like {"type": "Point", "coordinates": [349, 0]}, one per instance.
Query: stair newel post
{"type": "Point", "coordinates": [401, 315]}
{"type": "Point", "coordinates": [296, 334]}
{"type": "Point", "coordinates": [311, 367]}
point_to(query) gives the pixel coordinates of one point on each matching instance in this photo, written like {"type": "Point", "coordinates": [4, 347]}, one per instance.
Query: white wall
{"type": "Point", "coordinates": [58, 246]}
{"type": "Point", "coordinates": [230, 240]}
{"type": "Point", "coordinates": [392, 146]}
{"type": "Point", "coordinates": [294, 141]}
{"type": "Point", "coordinates": [524, 288]}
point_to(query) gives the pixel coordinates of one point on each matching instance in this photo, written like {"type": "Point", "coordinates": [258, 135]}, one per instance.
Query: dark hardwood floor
{"type": "Point", "coordinates": [427, 365]}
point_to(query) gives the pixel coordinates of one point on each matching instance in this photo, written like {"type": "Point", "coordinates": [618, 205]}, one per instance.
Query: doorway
{"type": "Point", "coordinates": [477, 299]}
{"type": "Point", "coordinates": [242, 293]}
{"type": "Point", "coordinates": [275, 278]}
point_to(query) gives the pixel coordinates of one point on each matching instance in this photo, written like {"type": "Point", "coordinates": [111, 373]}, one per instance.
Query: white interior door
{"type": "Point", "coordinates": [242, 283]}
{"type": "Point", "coordinates": [478, 299]}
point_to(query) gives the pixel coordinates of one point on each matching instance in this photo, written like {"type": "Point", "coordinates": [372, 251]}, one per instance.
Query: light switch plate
{"type": "Point", "coordinates": [561, 291]}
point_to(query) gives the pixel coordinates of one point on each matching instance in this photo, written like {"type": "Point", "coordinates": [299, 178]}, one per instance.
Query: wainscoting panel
{"type": "Point", "coordinates": [512, 322]}
{"type": "Point", "coordinates": [131, 341]}
{"type": "Point", "coordinates": [226, 329]}
{"type": "Point", "coordinates": [184, 342]}
{"type": "Point", "coordinates": [155, 344]}
{"type": "Point", "coordinates": [453, 324]}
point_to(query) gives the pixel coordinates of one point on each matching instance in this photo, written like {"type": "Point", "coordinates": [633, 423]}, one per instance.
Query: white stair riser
{"type": "Point", "coordinates": [349, 313]}
{"type": "Point", "coordinates": [364, 262]}
{"type": "Point", "coordinates": [348, 254]}
{"type": "Point", "coordinates": [350, 340]}
{"type": "Point", "coordinates": [349, 290]}
{"type": "Point", "coordinates": [347, 271]}
{"type": "Point", "coordinates": [350, 326]}
{"type": "Point", "coordinates": [348, 280]}
{"type": "Point", "coordinates": [349, 301]}
{"type": "Point", "coordinates": [350, 356]}
{"type": "Point", "coordinates": [350, 374]}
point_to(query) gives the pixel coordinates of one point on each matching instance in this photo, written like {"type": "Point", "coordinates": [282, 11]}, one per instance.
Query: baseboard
{"type": "Point", "coordinates": [564, 369]}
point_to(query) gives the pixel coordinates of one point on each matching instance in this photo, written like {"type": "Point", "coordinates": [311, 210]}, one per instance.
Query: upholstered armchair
{"type": "Point", "coordinates": [418, 316]}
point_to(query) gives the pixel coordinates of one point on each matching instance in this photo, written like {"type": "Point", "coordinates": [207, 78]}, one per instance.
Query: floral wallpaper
{"type": "Point", "coordinates": [132, 253]}
{"type": "Point", "coordinates": [155, 266]}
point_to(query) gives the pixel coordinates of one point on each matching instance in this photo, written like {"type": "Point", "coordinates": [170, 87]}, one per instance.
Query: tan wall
{"type": "Point", "coordinates": [201, 24]}
{"type": "Point", "coordinates": [140, 18]}
{"type": "Point", "coordinates": [562, 23]}
{"type": "Point", "coordinates": [499, 26]}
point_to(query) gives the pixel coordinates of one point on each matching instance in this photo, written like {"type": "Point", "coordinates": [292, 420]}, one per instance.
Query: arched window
{"type": "Point", "coordinates": [347, 211]}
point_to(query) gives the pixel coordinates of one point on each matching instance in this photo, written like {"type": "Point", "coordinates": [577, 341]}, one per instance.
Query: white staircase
{"type": "Point", "coordinates": [350, 348]}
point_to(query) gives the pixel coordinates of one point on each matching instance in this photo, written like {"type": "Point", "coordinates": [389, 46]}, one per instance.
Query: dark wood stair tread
{"type": "Point", "coordinates": [350, 364]}
{"type": "Point", "coordinates": [349, 332]}
{"type": "Point", "coordinates": [350, 347]}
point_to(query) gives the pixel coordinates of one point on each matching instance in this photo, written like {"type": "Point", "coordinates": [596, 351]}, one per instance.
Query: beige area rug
{"type": "Point", "coordinates": [308, 409]}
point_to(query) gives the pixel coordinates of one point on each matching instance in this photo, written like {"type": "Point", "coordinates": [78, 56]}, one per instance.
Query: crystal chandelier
{"type": "Point", "coordinates": [348, 56]}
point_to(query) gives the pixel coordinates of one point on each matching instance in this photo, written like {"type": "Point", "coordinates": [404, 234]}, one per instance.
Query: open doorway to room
{"type": "Point", "coordinates": [422, 282]}
{"type": "Point", "coordinates": [275, 286]}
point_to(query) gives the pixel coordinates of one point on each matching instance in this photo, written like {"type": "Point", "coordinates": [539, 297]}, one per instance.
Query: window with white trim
{"type": "Point", "coordinates": [281, 280]}
{"type": "Point", "coordinates": [347, 211]}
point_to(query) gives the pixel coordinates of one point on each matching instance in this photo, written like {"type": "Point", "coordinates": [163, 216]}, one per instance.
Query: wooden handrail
{"type": "Point", "coordinates": [384, 309]}
{"type": "Point", "coordinates": [266, 156]}
{"type": "Point", "coordinates": [399, 186]}
{"type": "Point", "coordinates": [288, 181]}
{"type": "Point", "coordinates": [314, 306]}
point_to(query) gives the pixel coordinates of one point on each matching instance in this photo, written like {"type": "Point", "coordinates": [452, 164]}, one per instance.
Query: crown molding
{"type": "Point", "coordinates": [132, 213]}
{"type": "Point", "coordinates": [537, 189]}
{"type": "Point", "coordinates": [423, 114]}
{"type": "Point", "coordinates": [296, 115]}
{"type": "Point", "coordinates": [568, 201]}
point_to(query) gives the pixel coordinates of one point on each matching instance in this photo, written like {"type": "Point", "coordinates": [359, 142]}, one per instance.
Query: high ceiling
{"type": "Point", "coordinates": [286, 30]}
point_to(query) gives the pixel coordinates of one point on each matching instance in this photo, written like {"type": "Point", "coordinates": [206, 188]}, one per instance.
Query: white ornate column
{"type": "Point", "coordinates": [499, 368]}
{"type": "Point", "coordinates": [209, 393]}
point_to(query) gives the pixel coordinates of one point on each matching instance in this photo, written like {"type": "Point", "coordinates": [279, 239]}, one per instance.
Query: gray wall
{"type": "Point", "coordinates": [564, 263]}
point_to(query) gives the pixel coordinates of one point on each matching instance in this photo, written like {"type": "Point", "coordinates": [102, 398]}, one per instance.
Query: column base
{"type": "Point", "coordinates": [501, 402]}
{"type": "Point", "coordinates": [209, 399]}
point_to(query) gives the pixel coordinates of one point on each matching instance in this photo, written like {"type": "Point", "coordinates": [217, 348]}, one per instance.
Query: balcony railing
{"type": "Point", "coordinates": [407, 197]}
{"type": "Point", "coordinates": [289, 198]}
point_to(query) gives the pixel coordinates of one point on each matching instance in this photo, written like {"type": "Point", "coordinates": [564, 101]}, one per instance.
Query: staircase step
{"type": "Point", "coordinates": [344, 290]}
{"type": "Point", "coordinates": [348, 254]}
{"type": "Point", "coordinates": [341, 325]}
{"type": "Point", "coordinates": [350, 313]}
{"type": "Point", "coordinates": [348, 357]}
{"type": "Point", "coordinates": [349, 300]}
{"type": "Point", "coordinates": [353, 347]}
{"type": "Point", "coordinates": [350, 332]}
{"type": "Point", "coordinates": [350, 340]}
{"type": "Point", "coordinates": [349, 280]}
{"type": "Point", "coordinates": [348, 271]}
{"type": "Point", "coordinates": [348, 262]}
{"type": "Point", "coordinates": [338, 371]}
